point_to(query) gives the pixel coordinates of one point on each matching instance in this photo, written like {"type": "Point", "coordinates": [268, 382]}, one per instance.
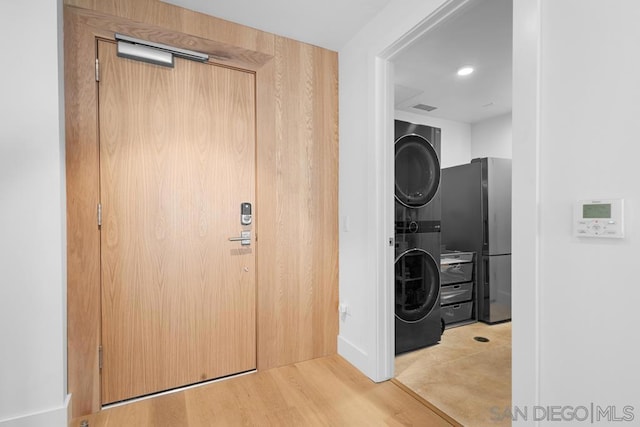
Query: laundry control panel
{"type": "Point", "coordinates": [599, 218]}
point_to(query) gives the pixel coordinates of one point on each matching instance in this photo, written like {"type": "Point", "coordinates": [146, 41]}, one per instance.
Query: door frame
{"type": "Point", "coordinates": [82, 28]}
{"type": "Point", "coordinates": [525, 214]}
{"type": "Point", "coordinates": [384, 119]}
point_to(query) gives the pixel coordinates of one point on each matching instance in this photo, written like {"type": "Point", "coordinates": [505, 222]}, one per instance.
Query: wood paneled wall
{"type": "Point", "coordinates": [297, 178]}
{"type": "Point", "coordinates": [154, 18]}
{"type": "Point", "coordinates": [83, 237]}
{"type": "Point", "coordinates": [297, 195]}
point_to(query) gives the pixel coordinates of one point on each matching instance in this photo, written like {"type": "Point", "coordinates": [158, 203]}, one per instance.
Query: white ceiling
{"type": "Point", "coordinates": [479, 35]}
{"type": "Point", "coordinates": [425, 72]}
{"type": "Point", "coordinates": [325, 23]}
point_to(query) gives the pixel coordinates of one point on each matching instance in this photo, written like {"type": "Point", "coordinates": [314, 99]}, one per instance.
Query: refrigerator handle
{"type": "Point", "coordinates": [485, 234]}
{"type": "Point", "coordinates": [486, 271]}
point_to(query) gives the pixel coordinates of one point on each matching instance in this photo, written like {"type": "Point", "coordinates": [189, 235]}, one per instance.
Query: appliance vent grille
{"type": "Point", "coordinates": [424, 107]}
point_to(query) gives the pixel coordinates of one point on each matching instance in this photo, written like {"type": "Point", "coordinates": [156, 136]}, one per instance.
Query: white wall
{"type": "Point", "coordinates": [492, 137]}
{"type": "Point", "coordinates": [589, 130]}
{"type": "Point", "coordinates": [455, 142]}
{"type": "Point", "coordinates": [462, 142]}
{"type": "Point", "coordinates": [32, 219]}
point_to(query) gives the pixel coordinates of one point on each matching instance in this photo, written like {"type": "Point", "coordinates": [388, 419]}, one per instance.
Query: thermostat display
{"type": "Point", "coordinates": [591, 211]}
{"type": "Point", "coordinates": [599, 218]}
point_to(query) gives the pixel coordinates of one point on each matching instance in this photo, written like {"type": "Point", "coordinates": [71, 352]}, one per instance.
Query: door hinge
{"type": "Point", "coordinates": [99, 214]}
{"type": "Point", "coordinates": [97, 70]}
{"type": "Point", "coordinates": [100, 357]}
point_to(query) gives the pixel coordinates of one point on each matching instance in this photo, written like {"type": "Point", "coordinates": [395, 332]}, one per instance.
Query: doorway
{"type": "Point", "coordinates": [177, 161]}
{"type": "Point", "coordinates": [427, 92]}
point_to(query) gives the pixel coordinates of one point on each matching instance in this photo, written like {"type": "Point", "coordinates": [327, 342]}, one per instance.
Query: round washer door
{"type": "Point", "coordinates": [417, 285]}
{"type": "Point", "coordinates": [417, 171]}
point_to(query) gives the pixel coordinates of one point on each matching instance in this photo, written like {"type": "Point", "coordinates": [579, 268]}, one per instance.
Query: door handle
{"type": "Point", "coordinates": [244, 239]}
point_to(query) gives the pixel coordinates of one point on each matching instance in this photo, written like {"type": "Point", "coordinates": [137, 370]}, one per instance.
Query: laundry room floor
{"type": "Point", "coordinates": [468, 380]}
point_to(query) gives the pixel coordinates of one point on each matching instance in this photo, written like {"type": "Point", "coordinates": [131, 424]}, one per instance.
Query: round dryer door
{"type": "Point", "coordinates": [417, 285]}
{"type": "Point", "coordinates": [417, 171]}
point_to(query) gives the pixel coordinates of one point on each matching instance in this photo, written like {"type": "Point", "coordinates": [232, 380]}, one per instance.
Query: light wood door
{"type": "Point", "coordinates": [177, 158]}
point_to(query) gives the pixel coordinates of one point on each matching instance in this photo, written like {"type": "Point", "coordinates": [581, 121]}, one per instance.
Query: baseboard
{"type": "Point", "coordinates": [356, 356]}
{"type": "Point", "coordinates": [57, 417]}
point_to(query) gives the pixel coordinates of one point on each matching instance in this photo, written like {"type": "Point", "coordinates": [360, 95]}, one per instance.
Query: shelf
{"type": "Point", "coordinates": [461, 323]}
{"type": "Point", "coordinates": [458, 288]}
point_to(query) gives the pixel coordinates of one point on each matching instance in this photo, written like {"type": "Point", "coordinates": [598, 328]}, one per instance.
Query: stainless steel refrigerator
{"type": "Point", "coordinates": [476, 217]}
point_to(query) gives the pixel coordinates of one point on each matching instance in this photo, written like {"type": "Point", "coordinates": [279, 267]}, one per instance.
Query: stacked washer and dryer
{"type": "Point", "coordinates": [417, 234]}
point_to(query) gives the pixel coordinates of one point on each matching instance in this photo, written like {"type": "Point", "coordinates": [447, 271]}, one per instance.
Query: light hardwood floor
{"type": "Point", "coordinates": [320, 392]}
{"type": "Point", "coordinates": [469, 381]}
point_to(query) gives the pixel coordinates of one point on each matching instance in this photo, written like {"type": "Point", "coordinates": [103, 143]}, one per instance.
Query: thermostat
{"type": "Point", "coordinates": [599, 218]}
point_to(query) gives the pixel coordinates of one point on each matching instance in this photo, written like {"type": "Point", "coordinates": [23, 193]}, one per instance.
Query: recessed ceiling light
{"type": "Point", "coordinates": [465, 71]}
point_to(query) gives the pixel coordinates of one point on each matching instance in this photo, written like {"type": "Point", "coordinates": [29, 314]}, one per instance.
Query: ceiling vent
{"type": "Point", "coordinates": [424, 107]}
